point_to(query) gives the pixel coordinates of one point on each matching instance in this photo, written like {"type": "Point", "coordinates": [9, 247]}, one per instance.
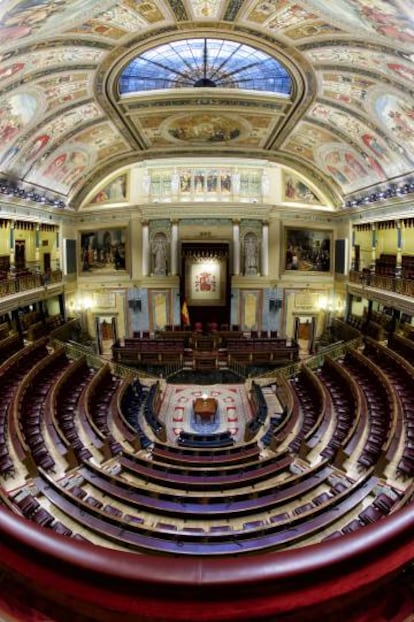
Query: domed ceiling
{"type": "Point", "coordinates": [347, 123]}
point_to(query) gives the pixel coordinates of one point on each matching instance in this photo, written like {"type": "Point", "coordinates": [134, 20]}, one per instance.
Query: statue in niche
{"type": "Point", "coordinates": [265, 183]}
{"type": "Point", "coordinates": [235, 182]}
{"type": "Point", "coordinates": [250, 254]}
{"type": "Point", "coordinates": [175, 182]}
{"type": "Point", "coordinates": [159, 254]}
{"type": "Point", "coordinates": [146, 183]}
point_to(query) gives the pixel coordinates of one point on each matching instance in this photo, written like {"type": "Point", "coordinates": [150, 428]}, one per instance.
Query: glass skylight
{"type": "Point", "coordinates": [205, 63]}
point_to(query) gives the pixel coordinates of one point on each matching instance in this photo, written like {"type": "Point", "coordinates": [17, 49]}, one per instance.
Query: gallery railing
{"type": "Point", "coordinates": [77, 350]}
{"type": "Point", "coordinates": [26, 282]}
{"type": "Point", "coordinates": [382, 281]}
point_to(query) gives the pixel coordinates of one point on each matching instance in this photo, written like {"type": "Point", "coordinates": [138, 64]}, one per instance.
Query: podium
{"type": "Point", "coordinates": [205, 409]}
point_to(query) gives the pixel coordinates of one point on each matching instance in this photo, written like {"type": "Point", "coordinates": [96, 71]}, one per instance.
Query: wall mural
{"type": "Point", "coordinates": [161, 129]}
{"type": "Point", "coordinates": [47, 59]}
{"type": "Point", "coordinates": [59, 91]}
{"type": "Point", "coordinates": [26, 18]}
{"type": "Point", "coordinates": [278, 14]}
{"type": "Point", "coordinates": [65, 167]}
{"type": "Point", "coordinates": [294, 189]}
{"type": "Point", "coordinates": [359, 58]}
{"type": "Point", "coordinates": [250, 303]}
{"type": "Point", "coordinates": [205, 128]}
{"type": "Point", "coordinates": [61, 123]}
{"type": "Point", "coordinates": [385, 63]}
{"type": "Point", "coordinates": [344, 167]}
{"type": "Point", "coordinates": [115, 191]}
{"type": "Point", "coordinates": [206, 8]}
{"type": "Point", "coordinates": [356, 130]}
{"type": "Point", "coordinates": [160, 309]}
{"type": "Point", "coordinates": [103, 250]}
{"type": "Point", "coordinates": [347, 89]}
{"type": "Point", "coordinates": [211, 183]}
{"type": "Point", "coordinates": [397, 116]}
{"type": "Point", "coordinates": [307, 250]}
{"type": "Point", "coordinates": [94, 143]}
{"type": "Point", "coordinates": [386, 17]}
{"type": "Point", "coordinates": [391, 18]}
{"type": "Point", "coordinates": [115, 21]}
{"type": "Point", "coordinates": [17, 111]}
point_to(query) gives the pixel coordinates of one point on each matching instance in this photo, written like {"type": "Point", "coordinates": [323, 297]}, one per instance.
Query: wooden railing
{"type": "Point", "coordinates": [26, 282]}
{"type": "Point", "coordinates": [388, 283]}
{"type": "Point", "coordinates": [77, 350]}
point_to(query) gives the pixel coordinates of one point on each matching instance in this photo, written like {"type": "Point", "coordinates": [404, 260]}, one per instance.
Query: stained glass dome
{"type": "Point", "coordinates": [205, 63]}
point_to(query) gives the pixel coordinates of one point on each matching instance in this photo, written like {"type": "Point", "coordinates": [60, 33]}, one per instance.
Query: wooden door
{"type": "Point", "coordinates": [20, 254]}
{"type": "Point", "coordinates": [46, 263]}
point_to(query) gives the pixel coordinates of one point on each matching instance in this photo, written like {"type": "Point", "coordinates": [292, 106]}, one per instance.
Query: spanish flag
{"type": "Point", "coordinates": [185, 316]}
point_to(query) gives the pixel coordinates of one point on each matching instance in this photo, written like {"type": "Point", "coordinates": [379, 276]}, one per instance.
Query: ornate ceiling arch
{"type": "Point", "coordinates": [353, 66]}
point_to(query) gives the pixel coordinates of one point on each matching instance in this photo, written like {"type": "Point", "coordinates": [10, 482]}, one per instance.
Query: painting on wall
{"type": "Point", "coordinates": [250, 303]}
{"type": "Point", "coordinates": [205, 281]}
{"type": "Point", "coordinates": [294, 189]}
{"type": "Point", "coordinates": [307, 250]}
{"type": "Point", "coordinates": [160, 309]}
{"type": "Point", "coordinates": [17, 111]}
{"type": "Point", "coordinates": [397, 114]}
{"type": "Point", "coordinates": [115, 191]}
{"type": "Point", "coordinates": [103, 250]}
{"type": "Point", "coordinates": [205, 128]}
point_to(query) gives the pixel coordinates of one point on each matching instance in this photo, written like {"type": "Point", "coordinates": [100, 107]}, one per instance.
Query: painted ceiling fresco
{"type": "Point", "coordinates": [349, 124]}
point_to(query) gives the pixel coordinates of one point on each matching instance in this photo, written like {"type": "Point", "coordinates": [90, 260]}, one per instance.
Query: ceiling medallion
{"type": "Point", "coordinates": [204, 128]}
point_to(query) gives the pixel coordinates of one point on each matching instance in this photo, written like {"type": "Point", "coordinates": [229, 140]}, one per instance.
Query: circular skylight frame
{"type": "Point", "coordinates": [205, 62]}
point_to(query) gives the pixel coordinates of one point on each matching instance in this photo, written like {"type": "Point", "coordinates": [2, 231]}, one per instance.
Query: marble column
{"type": "Point", "coordinates": [236, 247]}
{"type": "Point", "coordinates": [11, 243]}
{"type": "Point", "coordinates": [373, 248]}
{"type": "Point", "coordinates": [265, 249]}
{"type": "Point", "coordinates": [398, 266]}
{"type": "Point", "coordinates": [37, 247]}
{"type": "Point", "coordinates": [145, 248]}
{"type": "Point", "coordinates": [353, 266]}
{"type": "Point", "coordinates": [174, 247]}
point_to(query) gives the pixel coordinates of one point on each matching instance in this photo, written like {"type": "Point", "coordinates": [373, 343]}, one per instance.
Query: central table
{"type": "Point", "coordinates": [205, 409]}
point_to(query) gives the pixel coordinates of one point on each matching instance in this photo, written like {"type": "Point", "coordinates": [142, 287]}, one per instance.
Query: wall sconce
{"type": "Point", "coordinates": [335, 305]}
{"type": "Point", "coordinates": [82, 303]}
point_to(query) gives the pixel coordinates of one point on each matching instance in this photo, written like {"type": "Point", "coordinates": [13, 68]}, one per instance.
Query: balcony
{"type": "Point", "coordinates": [23, 282]}
{"type": "Point", "coordinates": [401, 286]}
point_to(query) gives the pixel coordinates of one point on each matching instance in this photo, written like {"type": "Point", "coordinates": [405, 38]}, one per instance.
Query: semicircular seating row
{"type": "Point", "coordinates": [86, 456]}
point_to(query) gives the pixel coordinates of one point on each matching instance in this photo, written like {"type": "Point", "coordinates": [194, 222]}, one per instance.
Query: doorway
{"type": "Point", "coordinates": [305, 332]}
{"type": "Point", "coordinates": [357, 258]}
{"type": "Point", "coordinates": [106, 333]}
{"type": "Point", "coordinates": [20, 254]}
{"type": "Point", "coordinates": [46, 263]}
